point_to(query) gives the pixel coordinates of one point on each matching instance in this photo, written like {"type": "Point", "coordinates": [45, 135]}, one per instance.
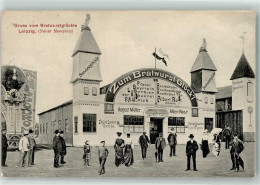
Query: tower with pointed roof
{"type": "Point", "coordinates": [86, 75]}
{"type": "Point", "coordinates": [243, 96]}
{"type": "Point", "coordinates": [86, 78]}
{"type": "Point", "coordinates": [204, 84]}
{"type": "Point", "coordinates": [203, 72]}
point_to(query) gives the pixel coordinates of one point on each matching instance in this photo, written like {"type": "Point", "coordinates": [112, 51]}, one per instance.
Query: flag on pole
{"type": "Point", "coordinates": [160, 55]}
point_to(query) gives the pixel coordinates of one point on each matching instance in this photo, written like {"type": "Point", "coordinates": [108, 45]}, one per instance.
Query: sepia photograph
{"type": "Point", "coordinates": [128, 93]}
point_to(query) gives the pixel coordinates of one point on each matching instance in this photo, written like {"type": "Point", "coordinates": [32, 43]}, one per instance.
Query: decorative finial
{"type": "Point", "coordinates": [243, 38]}
{"type": "Point", "coordinates": [203, 46]}
{"type": "Point", "coordinates": [85, 25]}
{"type": "Point", "coordinates": [14, 73]}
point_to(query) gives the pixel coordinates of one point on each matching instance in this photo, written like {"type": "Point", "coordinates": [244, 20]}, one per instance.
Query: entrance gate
{"type": "Point", "coordinates": [156, 126]}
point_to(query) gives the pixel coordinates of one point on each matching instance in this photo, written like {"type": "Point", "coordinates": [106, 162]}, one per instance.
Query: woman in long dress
{"type": "Point", "coordinates": [129, 157]}
{"type": "Point", "coordinates": [205, 144]}
{"type": "Point", "coordinates": [119, 150]}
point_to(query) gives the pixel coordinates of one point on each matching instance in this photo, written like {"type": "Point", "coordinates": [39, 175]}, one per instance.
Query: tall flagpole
{"type": "Point", "coordinates": [155, 57]}
{"type": "Point", "coordinates": [155, 80]}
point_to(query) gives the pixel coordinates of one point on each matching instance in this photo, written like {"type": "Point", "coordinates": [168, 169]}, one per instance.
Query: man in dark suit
{"type": "Point", "coordinates": [227, 133]}
{"type": "Point", "coordinates": [172, 140]}
{"type": "Point", "coordinates": [57, 147]}
{"type": "Point", "coordinates": [191, 149]}
{"type": "Point", "coordinates": [4, 147]}
{"type": "Point", "coordinates": [144, 142]}
{"type": "Point", "coordinates": [32, 146]}
{"type": "Point", "coordinates": [160, 144]}
{"type": "Point", "coordinates": [64, 151]}
{"type": "Point", "coordinates": [236, 148]}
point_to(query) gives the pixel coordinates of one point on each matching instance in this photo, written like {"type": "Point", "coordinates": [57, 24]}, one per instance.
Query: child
{"type": "Point", "coordinates": [86, 155]}
{"type": "Point", "coordinates": [102, 154]}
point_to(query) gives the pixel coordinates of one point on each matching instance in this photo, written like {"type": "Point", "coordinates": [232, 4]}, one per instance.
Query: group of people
{"type": "Point", "coordinates": [27, 147]}
{"type": "Point", "coordinates": [59, 147]}
{"type": "Point", "coordinates": [124, 149]}
{"type": "Point", "coordinates": [231, 140]}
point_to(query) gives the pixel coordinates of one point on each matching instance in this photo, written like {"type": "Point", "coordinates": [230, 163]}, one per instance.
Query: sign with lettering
{"type": "Point", "coordinates": [152, 90]}
{"type": "Point", "coordinates": [108, 123]}
{"type": "Point", "coordinates": [195, 126]}
{"type": "Point", "coordinates": [237, 85]}
{"type": "Point", "coordinates": [28, 106]}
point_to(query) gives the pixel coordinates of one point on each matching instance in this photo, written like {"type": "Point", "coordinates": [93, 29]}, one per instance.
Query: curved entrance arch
{"type": "Point", "coordinates": [134, 75]}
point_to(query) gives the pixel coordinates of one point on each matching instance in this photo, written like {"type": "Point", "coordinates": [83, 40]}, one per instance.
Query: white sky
{"type": "Point", "coordinates": [127, 40]}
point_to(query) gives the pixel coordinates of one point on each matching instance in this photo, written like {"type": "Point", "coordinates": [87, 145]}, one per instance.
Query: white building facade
{"type": "Point", "coordinates": [150, 100]}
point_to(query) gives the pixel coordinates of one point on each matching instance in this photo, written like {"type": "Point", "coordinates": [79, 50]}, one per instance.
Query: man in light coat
{"type": "Point", "coordinates": [160, 144]}
{"type": "Point", "coordinates": [23, 148]}
{"type": "Point", "coordinates": [172, 140]}
{"type": "Point", "coordinates": [32, 145]}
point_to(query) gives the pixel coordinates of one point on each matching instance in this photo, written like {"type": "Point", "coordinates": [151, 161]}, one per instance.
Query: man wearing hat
{"type": "Point", "coordinates": [160, 144]}
{"type": "Point", "coordinates": [236, 148]}
{"type": "Point", "coordinates": [191, 149]}
{"type": "Point", "coordinates": [32, 145]}
{"type": "Point", "coordinates": [227, 133]}
{"type": "Point", "coordinates": [172, 140]}
{"type": "Point", "coordinates": [144, 142]}
{"type": "Point", "coordinates": [64, 151]}
{"type": "Point", "coordinates": [102, 155]}
{"type": "Point", "coordinates": [57, 147]}
{"type": "Point", "coordinates": [4, 147]}
{"type": "Point", "coordinates": [23, 148]}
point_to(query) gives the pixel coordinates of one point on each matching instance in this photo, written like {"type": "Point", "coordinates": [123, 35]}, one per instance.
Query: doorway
{"type": "Point", "coordinates": [208, 124]}
{"type": "Point", "coordinates": [155, 128]}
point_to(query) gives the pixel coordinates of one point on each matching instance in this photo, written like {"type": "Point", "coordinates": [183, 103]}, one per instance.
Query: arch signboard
{"type": "Point", "coordinates": [151, 86]}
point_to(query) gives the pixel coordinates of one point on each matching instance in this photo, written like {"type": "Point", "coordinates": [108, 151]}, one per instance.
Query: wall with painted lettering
{"type": "Point", "coordinates": [243, 98]}
{"type": "Point", "coordinates": [150, 91]}
{"type": "Point", "coordinates": [28, 107]}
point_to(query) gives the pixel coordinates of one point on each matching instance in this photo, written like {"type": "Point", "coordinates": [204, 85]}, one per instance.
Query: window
{"type": "Point", "coordinates": [53, 126]}
{"type": "Point", "coordinates": [211, 100]}
{"type": "Point", "coordinates": [59, 125]}
{"type": "Point", "coordinates": [133, 123]}
{"type": "Point", "coordinates": [89, 122]}
{"type": "Point", "coordinates": [250, 89]}
{"type": "Point", "coordinates": [40, 128]}
{"type": "Point", "coordinates": [109, 108]}
{"type": "Point", "coordinates": [76, 124]}
{"type": "Point", "coordinates": [94, 91]}
{"type": "Point", "coordinates": [43, 128]}
{"type": "Point", "coordinates": [86, 91]}
{"type": "Point", "coordinates": [206, 100]}
{"type": "Point", "coordinates": [178, 123]}
{"type": "Point", "coordinates": [46, 127]}
{"type": "Point", "coordinates": [195, 112]}
{"type": "Point", "coordinates": [66, 126]}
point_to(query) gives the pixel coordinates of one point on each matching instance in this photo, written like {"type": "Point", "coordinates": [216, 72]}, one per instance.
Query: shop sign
{"type": "Point", "coordinates": [195, 126]}
{"type": "Point", "coordinates": [149, 73]}
{"type": "Point", "coordinates": [108, 123]}
{"type": "Point", "coordinates": [129, 109]}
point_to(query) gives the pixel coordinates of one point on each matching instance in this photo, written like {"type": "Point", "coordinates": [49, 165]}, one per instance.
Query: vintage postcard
{"type": "Point", "coordinates": [128, 93]}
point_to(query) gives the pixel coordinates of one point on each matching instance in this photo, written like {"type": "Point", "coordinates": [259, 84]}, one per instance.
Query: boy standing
{"type": "Point", "coordinates": [87, 153]}
{"type": "Point", "coordinates": [102, 154]}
